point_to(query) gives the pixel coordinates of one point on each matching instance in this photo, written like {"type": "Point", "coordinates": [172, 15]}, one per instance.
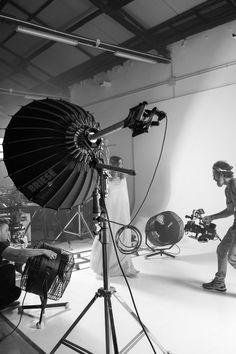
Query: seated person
{"type": "Point", "coordinates": [9, 291]}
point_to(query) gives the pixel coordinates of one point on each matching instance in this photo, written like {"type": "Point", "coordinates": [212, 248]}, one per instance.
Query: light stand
{"type": "Point", "coordinates": [80, 216]}
{"type": "Point", "coordinates": [106, 291]}
{"type": "Point", "coordinates": [139, 120]}
{"type": "Point", "coordinates": [81, 256]}
{"type": "Point", "coordinates": [76, 169]}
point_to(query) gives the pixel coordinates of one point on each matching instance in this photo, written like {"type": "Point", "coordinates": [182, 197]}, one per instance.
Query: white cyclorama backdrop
{"type": "Point", "coordinates": [201, 130]}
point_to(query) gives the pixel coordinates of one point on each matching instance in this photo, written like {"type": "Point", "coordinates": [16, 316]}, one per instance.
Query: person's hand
{"type": "Point", "coordinates": [207, 219]}
{"type": "Point", "coordinates": [49, 254]}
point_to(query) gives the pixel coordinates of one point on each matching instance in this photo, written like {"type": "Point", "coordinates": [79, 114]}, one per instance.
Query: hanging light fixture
{"type": "Point", "coordinates": [71, 39]}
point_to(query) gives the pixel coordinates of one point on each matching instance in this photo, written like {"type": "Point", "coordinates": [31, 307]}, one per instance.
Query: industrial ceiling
{"type": "Point", "coordinates": [33, 67]}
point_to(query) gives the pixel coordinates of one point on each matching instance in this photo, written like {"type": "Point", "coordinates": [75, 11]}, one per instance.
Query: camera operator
{"type": "Point", "coordinates": [226, 250]}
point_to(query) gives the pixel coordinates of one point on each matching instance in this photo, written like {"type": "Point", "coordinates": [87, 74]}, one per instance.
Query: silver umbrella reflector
{"type": "Point", "coordinates": [48, 153]}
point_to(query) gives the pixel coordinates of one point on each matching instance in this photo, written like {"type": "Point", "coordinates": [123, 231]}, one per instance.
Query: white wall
{"type": "Point", "coordinates": [197, 91]}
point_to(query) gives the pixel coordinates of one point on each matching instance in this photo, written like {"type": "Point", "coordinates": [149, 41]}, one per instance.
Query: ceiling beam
{"type": "Point", "coordinates": [55, 35]}
{"type": "Point", "coordinates": [23, 62]}
{"type": "Point", "coordinates": [69, 29]}
{"type": "Point", "coordinates": [46, 46]}
{"type": "Point", "coordinates": [29, 15]}
{"type": "Point", "coordinates": [200, 18]}
{"type": "Point", "coordinates": [127, 21]}
{"type": "Point", "coordinates": [75, 26]}
{"type": "Point", "coordinates": [42, 7]}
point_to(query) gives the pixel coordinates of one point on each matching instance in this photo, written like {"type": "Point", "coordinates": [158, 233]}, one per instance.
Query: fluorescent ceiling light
{"type": "Point", "coordinates": [74, 42]}
{"type": "Point", "coordinates": [46, 35]}
{"type": "Point", "coordinates": [71, 39]}
{"type": "Point", "coordinates": [34, 97]}
{"type": "Point", "coordinates": [135, 57]}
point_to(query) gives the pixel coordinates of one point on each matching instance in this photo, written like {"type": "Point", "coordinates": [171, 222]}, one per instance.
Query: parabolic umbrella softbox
{"type": "Point", "coordinates": [48, 155]}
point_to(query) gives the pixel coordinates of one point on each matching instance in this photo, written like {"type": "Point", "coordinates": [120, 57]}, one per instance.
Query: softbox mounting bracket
{"type": "Point", "coordinates": [139, 120]}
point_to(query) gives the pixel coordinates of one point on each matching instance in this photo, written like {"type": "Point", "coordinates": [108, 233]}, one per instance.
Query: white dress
{"type": "Point", "coordinates": [118, 209]}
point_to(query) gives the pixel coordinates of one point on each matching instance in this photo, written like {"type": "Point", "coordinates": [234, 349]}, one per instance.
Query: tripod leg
{"type": "Point", "coordinates": [63, 339]}
{"type": "Point", "coordinates": [152, 254]}
{"type": "Point", "coordinates": [107, 326]}
{"type": "Point", "coordinates": [65, 231]}
{"type": "Point", "coordinates": [29, 225]}
{"type": "Point", "coordinates": [112, 324]}
{"type": "Point", "coordinates": [140, 334]}
{"type": "Point", "coordinates": [168, 254]}
{"type": "Point", "coordinates": [87, 227]}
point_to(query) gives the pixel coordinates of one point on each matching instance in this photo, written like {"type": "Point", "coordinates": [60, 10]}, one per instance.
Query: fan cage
{"type": "Point", "coordinates": [39, 270]}
{"type": "Point", "coordinates": [164, 229]}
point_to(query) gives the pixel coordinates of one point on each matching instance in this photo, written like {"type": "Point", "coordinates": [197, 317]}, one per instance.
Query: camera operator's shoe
{"type": "Point", "coordinates": [215, 284]}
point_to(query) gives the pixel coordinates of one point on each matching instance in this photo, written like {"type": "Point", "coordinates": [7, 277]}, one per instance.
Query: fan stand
{"type": "Point", "coordinates": [160, 251]}
{"type": "Point", "coordinates": [106, 293]}
{"type": "Point", "coordinates": [43, 299]}
{"type": "Point", "coordinates": [81, 219]}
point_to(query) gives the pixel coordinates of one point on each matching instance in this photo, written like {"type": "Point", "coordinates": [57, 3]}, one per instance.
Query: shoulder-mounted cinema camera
{"type": "Point", "coordinates": [197, 229]}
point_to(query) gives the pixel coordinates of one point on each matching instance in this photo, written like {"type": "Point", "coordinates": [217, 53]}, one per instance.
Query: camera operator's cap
{"type": "Point", "coordinates": [222, 166]}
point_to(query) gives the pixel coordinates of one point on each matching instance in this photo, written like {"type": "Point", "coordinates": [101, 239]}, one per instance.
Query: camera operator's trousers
{"type": "Point", "coordinates": [9, 291]}
{"type": "Point", "coordinates": [226, 252]}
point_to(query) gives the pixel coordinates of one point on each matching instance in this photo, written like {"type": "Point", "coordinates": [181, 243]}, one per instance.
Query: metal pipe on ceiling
{"type": "Point", "coordinates": [67, 38]}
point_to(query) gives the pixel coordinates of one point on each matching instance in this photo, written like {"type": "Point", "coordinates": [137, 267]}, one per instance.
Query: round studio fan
{"type": "Point", "coordinates": [48, 278]}
{"type": "Point", "coordinates": [164, 229]}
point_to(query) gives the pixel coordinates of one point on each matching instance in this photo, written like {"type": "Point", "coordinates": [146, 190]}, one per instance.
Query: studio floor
{"type": "Point", "coordinates": [180, 316]}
